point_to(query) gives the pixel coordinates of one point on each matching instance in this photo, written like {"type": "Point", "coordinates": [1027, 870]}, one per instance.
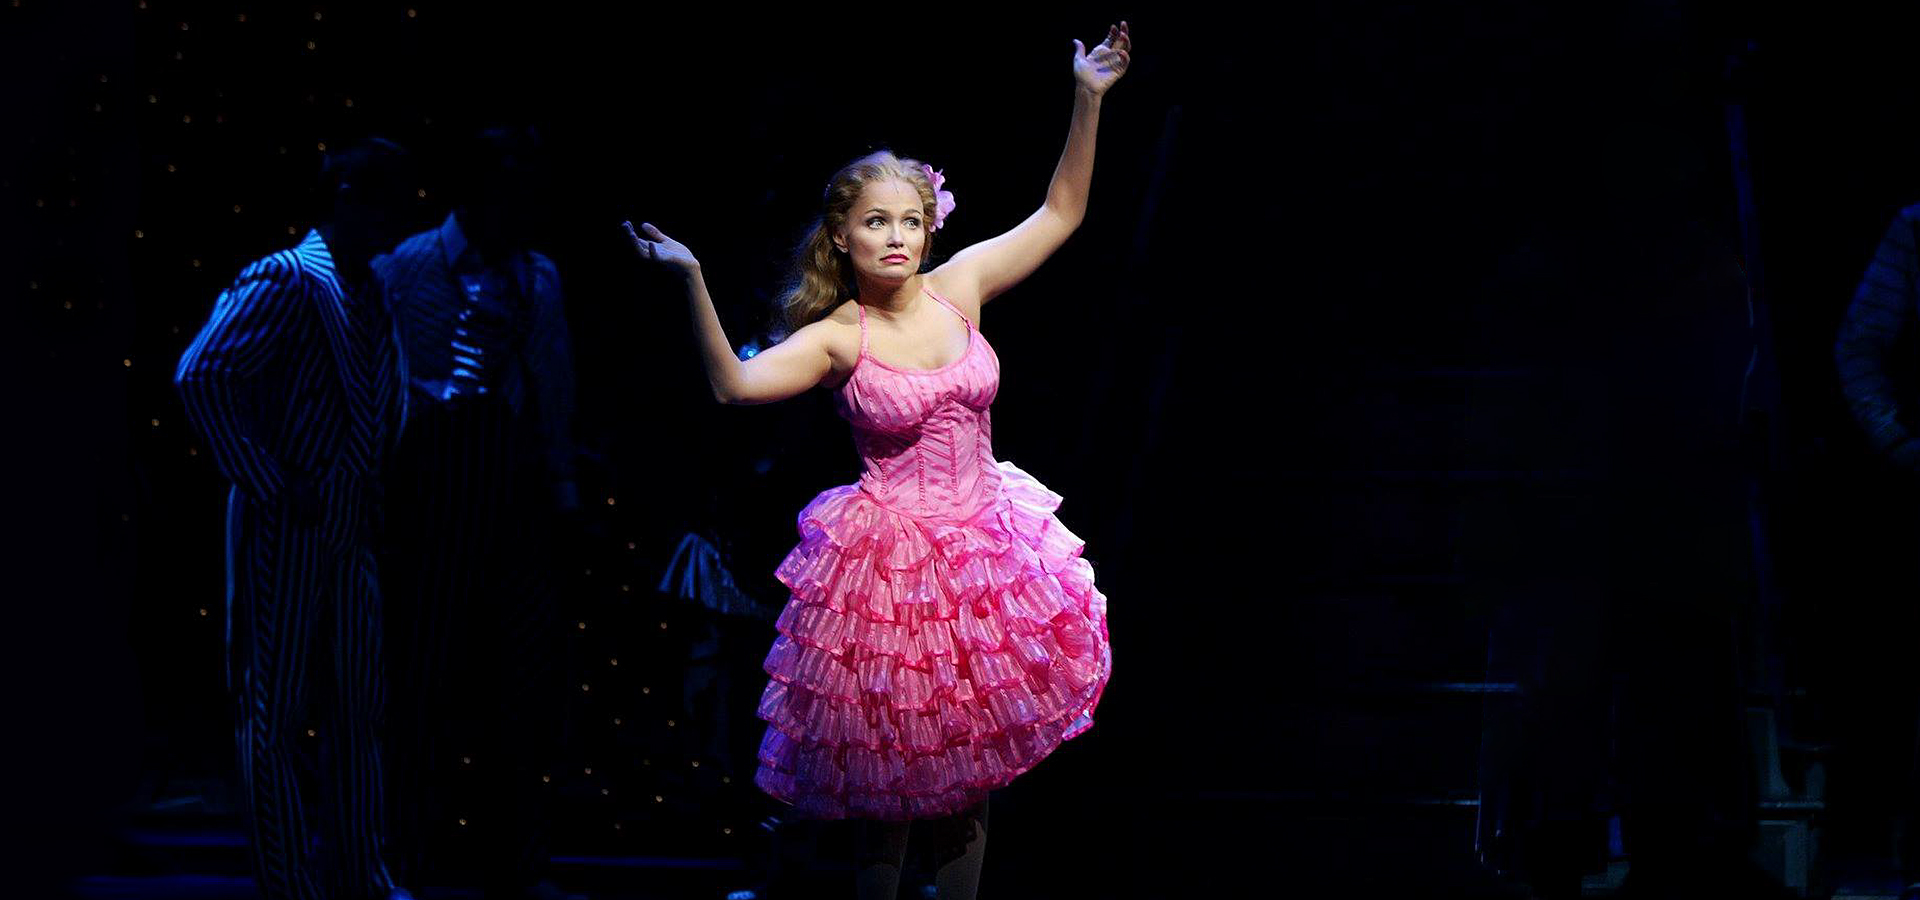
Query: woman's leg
{"type": "Point", "coordinates": [881, 849]}
{"type": "Point", "coordinates": [958, 874]}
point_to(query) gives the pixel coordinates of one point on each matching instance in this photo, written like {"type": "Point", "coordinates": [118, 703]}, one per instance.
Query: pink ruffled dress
{"type": "Point", "coordinates": [944, 634]}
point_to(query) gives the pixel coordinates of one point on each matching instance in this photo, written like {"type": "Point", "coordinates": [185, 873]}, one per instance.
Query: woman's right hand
{"type": "Point", "coordinates": [657, 247]}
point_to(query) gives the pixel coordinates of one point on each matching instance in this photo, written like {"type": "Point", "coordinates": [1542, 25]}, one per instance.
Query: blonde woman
{"type": "Point", "coordinates": [944, 634]}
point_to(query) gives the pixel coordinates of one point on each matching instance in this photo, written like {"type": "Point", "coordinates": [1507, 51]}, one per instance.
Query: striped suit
{"type": "Point", "coordinates": [474, 610]}
{"type": "Point", "coordinates": [1887, 301]}
{"type": "Point", "coordinates": [296, 380]}
{"type": "Point", "coordinates": [1885, 306]}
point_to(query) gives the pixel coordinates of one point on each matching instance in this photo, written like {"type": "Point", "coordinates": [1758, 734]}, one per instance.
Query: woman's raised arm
{"type": "Point", "coordinates": [784, 370]}
{"type": "Point", "coordinates": [987, 269]}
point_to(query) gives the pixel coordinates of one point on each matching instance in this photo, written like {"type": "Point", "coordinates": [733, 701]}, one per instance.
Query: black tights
{"type": "Point", "coordinates": [960, 843]}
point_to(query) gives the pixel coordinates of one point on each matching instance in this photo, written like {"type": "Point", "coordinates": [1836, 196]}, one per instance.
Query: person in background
{"type": "Point", "coordinates": [297, 384]}
{"type": "Point", "coordinates": [1887, 303]}
{"type": "Point", "coordinates": [483, 484]}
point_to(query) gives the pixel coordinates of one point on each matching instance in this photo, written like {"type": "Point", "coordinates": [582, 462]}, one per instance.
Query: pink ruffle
{"type": "Point", "coordinates": [920, 665]}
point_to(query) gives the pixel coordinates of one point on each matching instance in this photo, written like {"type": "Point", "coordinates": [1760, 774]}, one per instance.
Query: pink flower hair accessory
{"type": "Point", "coordinates": [942, 200]}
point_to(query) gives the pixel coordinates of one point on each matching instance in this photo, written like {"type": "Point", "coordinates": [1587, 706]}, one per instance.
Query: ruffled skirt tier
{"type": "Point", "coordinates": [919, 664]}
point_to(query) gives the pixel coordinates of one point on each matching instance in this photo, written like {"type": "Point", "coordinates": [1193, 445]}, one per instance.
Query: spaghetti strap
{"type": "Point", "coordinates": [943, 302]}
{"type": "Point", "coordinates": [863, 326]}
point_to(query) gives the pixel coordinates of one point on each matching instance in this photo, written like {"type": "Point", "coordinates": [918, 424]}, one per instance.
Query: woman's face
{"type": "Point", "coordinates": [884, 234]}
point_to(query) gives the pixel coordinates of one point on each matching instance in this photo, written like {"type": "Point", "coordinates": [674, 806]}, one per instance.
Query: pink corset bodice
{"type": "Point", "coordinates": [925, 436]}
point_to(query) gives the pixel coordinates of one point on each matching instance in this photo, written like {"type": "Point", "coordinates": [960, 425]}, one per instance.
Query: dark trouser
{"type": "Point", "coordinates": [301, 612]}
{"type": "Point", "coordinates": [475, 616]}
{"type": "Point", "coordinates": [1907, 814]}
{"type": "Point", "coordinates": [1909, 818]}
{"type": "Point", "coordinates": [1683, 584]}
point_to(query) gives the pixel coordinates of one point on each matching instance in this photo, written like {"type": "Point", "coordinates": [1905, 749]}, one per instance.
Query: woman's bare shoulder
{"type": "Point", "coordinates": [839, 332]}
{"type": "Point", "coordinates": [964, 300]}
{"type": "Point", "coordinates": [845, 314]}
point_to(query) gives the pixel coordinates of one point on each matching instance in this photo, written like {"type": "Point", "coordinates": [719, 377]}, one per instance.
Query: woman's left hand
{"type": "Point", "coordinates": [1099, 69]}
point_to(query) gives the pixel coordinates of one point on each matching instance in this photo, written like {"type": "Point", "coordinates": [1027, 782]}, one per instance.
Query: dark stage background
{"type": "Point", "coordinates": [1397, 380]}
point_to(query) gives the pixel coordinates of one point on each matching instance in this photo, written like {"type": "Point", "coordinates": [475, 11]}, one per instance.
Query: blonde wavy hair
{"type": "Point", "coordinates": [821, 277]}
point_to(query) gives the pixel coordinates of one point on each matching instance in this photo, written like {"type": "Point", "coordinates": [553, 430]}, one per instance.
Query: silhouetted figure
{"type": "Point", "coordinates": [485, 468]}
{"type": "Point", "coordinates": [1886, 304]}
{"type": "Point", "coordinates": [1681, 576]}
{"type": "Point", "coordinates": [296, 383]}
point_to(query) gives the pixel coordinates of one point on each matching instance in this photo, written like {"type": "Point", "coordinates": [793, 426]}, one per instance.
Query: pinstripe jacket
{"type": "Point", "coordinates": [1886, 303]}
{"type": "Point", "coordinates": [421, 277]}
{"type": "Point", "coordinates": [292, 378]}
